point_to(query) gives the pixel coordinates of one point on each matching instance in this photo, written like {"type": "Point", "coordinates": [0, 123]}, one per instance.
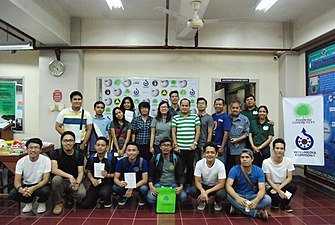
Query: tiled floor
{"type": "Point", "coordinates": [312, 205]}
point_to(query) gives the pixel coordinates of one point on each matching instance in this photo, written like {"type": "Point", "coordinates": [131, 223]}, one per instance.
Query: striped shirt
{"type": "Point", "coordinates": [71, 122]}
{"type": "Point", "coordinates": [185, 129]}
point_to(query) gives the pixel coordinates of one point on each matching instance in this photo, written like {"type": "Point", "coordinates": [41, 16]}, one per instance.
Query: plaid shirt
{"type": "Point", "coordinates": [141, 129]}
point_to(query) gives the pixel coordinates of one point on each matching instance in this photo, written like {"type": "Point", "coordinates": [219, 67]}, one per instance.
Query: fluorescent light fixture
{"type": "Point", "coordinates": [114, 4]}
{"type": "Point", "coordinates": [265, 5]}
{"type": "Point", "coordinates": [15, 46]}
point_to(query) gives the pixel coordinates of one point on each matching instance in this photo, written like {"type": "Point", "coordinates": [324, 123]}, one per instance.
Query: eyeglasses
{"type": "Point", "coordinates": [33, 147]}
{"type": "Point", "coordinates": [164, 107]}
{"type": "Point", "coordinates": [166, 145]}
{"type": "Point", "coordinates": [67, 141]}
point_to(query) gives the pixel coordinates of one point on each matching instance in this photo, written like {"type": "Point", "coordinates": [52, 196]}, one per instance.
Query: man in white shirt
{"type": "Point", "coordinates": [32, 173]}
{"type": "Point", "coordinates": [209, 178]}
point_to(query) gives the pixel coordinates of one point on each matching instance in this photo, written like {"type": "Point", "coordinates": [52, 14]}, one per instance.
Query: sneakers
{"type": "Point", "coordinates": [287, 208]}
{"type": "Point", "coordinates": [141, 202]}
{"type": "Point", "coordinates": [275, 206]}
{"type": "Point", "coordinates": [262, 214]}
{"type": "Point", "coordinates": [27, 208]}
{"type": "Point", "coordinates": [122, 201]}
{"type": "Point", "coordinates": [42, 207]}
{"type": "Point", "coordinates": [58, 208]}
{"type": "Point", "coordinates": [217, 206]}
{"type": "Point", "coordinates": [232, 210]}
{"type": "Point", "coordinates": [201, 206]}
{"type": "Point", "coordinates": [107, 204]}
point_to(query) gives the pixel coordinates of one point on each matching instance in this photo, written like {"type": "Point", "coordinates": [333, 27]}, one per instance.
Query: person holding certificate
{"type": "Point", "coordinates": [131, 174]}
{"type": "Point", "coordinates": [100, 171]}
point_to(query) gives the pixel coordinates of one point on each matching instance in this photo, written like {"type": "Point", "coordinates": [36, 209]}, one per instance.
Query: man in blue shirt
{"type": "Point", "coordinates": [132, 164]}
{"type": "Point", "coordinates": [101, 125]}
{"type": "Point", "coordinates": [246, 188]}
{"type": "Point", "coordinates": [221, 129]}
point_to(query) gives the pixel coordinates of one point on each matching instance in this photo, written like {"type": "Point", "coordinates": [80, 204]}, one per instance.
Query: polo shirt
{"type": "Point", "coordinates": [260, 132]}
{"type": "Point", "coordinates": [185, 127]}
{"type": "Point", "coordinates": [251, 114]}
{"type": "Point", "coordinates": [70, 120]}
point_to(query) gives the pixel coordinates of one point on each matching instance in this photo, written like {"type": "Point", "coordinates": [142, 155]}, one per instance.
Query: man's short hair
{"type": "Point", "coordinates": [248, 96]}
{"type": "Point", "coordinates": [132, 143]}
{"type": "Point", "coordinates": [34, 140]}
{"type": "Point", "coordinates": [185, 99]}
{"type": "Point", "coordinates": [74, 93]}
{"type": "Point", "coordinates": [248, 151]}
{"type": "Point", "coordinates": [144, 105]}
{"type": "Point", "coordinates": [201, 99]}
{"type": "Point", "coordinates": [236, 101]}
{"type": "Point", "coordinates": [67, 133]}
{"type": "Point", "coordinates": [219, 99]}
{"type": "Point", "coordinates": [210, 144]}
{"type": "Point", "coordinates": [103, 139]}
{"type": "Point", "coordinates": [278, 140]}
{"type": "Point", "coordinates": [99, 102]}
{"type": "Point", "coordinates": [173, 92]}
{"type": "Point", "coordinates": [166, 139]}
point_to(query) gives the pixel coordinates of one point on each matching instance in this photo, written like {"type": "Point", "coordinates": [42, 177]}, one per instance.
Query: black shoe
{"type": "Point", "coordinates": [141, 202]}
{"type": "Point", "coordinates": [275, 206]}
{"type": "Point", "coordinates": [262, 214]}
{"type": "Point", "coordinates": [69, 203]}
{"type": "Point", "coordinates": [122, 200]}
{"type": "Point", "coordinates": [287, 208]}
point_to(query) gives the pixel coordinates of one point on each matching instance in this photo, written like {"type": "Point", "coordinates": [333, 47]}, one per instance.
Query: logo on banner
{"type": "Point", "coordinates": [136, 92]}
{"type": "Point", "coordinates": [304, 141]}
{"type": "Point", "coordinates": [164, 92]}
{"type": "Point", "coordinates": [192, 92]}
{"type": "Point", "coordinates": [117, 101]}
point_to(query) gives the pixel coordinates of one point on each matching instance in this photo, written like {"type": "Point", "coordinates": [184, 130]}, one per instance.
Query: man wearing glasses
{"type": "Point", "coordinates": [166, 170]}
{"type": "Point", "coordinates": [32, 174]}
{"type": "Point", "coordinates": [67, 164]}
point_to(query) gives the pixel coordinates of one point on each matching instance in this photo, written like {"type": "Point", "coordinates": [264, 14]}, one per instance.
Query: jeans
{"type": "Point", "coordinates": [219, 195]}
{"type": "Point", "coordinates": [187, 157]}
{"type": "Point", "coordinates": [142, 190]}
{"type": "Point", "coordinates": [102, 191]}
{"type": "Point", "coordinates": [262, 204]}
{"type": "Point", "coordinates": [152, 199]}
{"type": "Point", "coordinates": [42, 193]}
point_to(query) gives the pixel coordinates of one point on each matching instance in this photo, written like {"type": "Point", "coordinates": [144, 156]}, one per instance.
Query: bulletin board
{"type": "Point", "coordinates": [320, 80]}
{"type": "Point", "coordinates": [11, 102]}
{"type": "Point", "coordinates": [153, 90]}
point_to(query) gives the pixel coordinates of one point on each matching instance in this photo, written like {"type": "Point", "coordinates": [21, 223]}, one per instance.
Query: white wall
{"type": "Point", "coordinates": [25, 64]}
{"type": "Point", "coordinates": [190, 64]}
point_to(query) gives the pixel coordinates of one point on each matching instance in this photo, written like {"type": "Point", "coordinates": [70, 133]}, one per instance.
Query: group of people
{"type": "Point", "coordinates": [224, 155]}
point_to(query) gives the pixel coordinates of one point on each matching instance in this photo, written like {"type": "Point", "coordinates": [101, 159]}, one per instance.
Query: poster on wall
{"type": "Point", "coordinates": [303, 126]}
{"type": "Point", "coordinates": [152, 90]}
{"type": "Point", "coordinates": [7, 102]}
{"type": "Point", "coordinates": [320, 69]}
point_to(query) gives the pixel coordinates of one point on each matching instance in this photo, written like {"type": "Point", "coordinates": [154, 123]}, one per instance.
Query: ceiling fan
{"type": "Point", "coordinates": [194, 22]}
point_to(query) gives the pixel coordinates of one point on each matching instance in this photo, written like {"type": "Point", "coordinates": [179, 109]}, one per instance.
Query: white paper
{"type": "Point", "coordinates": [288, 194]}
{"type": "Point", "coordinates": [130, 179]}
{"type": "Point", "coordinates": [128, 115]}
{"type": "Point", "coordinates": [78, 136]}
{"type": "Point", "coordinates": [98, 168]}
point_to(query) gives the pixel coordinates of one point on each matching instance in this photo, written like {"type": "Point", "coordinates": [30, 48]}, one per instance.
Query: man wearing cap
{"type": "Point", "coordinates": [246, 188]}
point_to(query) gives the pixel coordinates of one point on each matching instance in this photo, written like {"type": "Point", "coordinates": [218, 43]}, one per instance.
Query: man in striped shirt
{"type": "Point", "coordinates": [75, 119]}
{"type": "Point", "coordinates": [185, 136]}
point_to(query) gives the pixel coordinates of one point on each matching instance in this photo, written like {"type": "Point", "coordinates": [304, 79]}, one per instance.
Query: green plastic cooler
{"type": "Point", "coordinates": [166, 200]}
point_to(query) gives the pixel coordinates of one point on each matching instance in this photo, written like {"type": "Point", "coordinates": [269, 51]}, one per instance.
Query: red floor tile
{"type": "Point", "coordinates": [6, 219]}
{"type": "Point", "coordinates": [72, 221]}
{"type": "Point", "coordinates": [290, 221]}
{"type": "Point", "coordinates": [96, 221]}
{"type": "Point", "coordinates": [121, 222]}
{"type": "Point", "coordinates": [312, 220]}
{"type": "Point", "coordinates": [102, 213]}
{"type": "Point", "coordinates": [47, 221]}
{"type": "Point", "coordinates": [24, 220]}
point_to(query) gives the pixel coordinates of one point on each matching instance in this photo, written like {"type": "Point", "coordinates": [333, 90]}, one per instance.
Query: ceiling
{"type": "Point", "coordinates": [282, 11]}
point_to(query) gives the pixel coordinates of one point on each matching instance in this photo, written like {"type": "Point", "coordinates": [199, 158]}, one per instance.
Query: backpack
{"type": "Point", "coordinates": [124, 162]}
{"type": "Point", "coordinates": [158, 156]}
{"type": "Point", "coordinates": [109, 158]}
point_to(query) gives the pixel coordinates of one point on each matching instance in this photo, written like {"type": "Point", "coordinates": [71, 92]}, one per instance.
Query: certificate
{"type": "Point", "coordinates": [98, 168]}
{"type": "Point", "coordinates": [130, 179]}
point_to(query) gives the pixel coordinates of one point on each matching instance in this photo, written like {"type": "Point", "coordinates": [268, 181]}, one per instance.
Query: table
{"type": "Point", "coordinates": [6, 132]}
